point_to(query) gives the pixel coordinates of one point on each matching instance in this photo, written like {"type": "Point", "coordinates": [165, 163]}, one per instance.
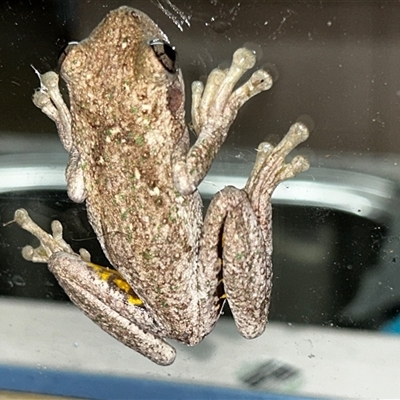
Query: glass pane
{"type": "Point", "coordinates": [334, 317]}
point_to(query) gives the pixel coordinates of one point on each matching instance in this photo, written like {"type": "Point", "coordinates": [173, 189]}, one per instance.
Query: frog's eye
{"type": "Point", "coordinates": [166, 54]}
{"type": "Point", "coordinates": [64, 52]}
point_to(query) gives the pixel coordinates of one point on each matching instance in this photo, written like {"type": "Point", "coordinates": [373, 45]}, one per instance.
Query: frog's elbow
{"type": "Point", "coordinates": [183, 181]}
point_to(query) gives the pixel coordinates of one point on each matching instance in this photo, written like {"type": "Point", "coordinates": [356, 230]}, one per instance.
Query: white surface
{"type": "Point", "coordinates": [340, 363]}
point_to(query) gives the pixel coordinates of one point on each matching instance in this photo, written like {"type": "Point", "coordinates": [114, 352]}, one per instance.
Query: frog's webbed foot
{"type": "Point", "coordinates": [214, 108]}
{"type": "Point", "coordinates": [101, 293]}
{"type": "Point", "coordinates": [218, 101]}
{"type": "Point", "coordinates": [48, 98]}
{"type": "Point", "coordinates": [49, 244]}
{"type": "Point", "coordinates": [271, 168]}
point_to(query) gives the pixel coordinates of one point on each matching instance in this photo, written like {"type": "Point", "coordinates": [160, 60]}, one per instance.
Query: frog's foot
{"type": "Point", "coordinates": [101, 293]}
{"type": "Point", "coordinates": [270, 167]}
{"type": "Point", "coordinates": [219, 99]}
{"type": "Point", "coordinates": [214, 108]}
{"type": "Point", "coordinates": [49, 244]}
{"type": "Point", "coordinates": [48, 98]}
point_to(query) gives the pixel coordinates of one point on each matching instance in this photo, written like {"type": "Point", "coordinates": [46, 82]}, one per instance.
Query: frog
{"type": "Point", "coordinates": [132, 163]}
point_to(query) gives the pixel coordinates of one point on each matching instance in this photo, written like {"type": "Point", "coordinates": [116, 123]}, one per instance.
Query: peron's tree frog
{"type": "Point", "coordinates": [130, 159]}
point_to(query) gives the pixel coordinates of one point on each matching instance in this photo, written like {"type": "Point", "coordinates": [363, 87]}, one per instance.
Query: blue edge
{"type": "Point", "coordinates": [63, 383]}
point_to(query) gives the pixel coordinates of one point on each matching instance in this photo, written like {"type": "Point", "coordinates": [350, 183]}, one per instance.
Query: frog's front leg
{"type": "Point", "coordinates": [244, 218]}
{"type": "Point", "coordinates": [214, 108]}
{"type": "Point", "coordinates": [48, 98]}
{"type": "Point", "coordinates": [101, 293]}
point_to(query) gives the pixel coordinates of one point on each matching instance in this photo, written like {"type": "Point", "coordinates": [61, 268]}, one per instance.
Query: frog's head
{"type": "Point", "coordinates": [128, 60]}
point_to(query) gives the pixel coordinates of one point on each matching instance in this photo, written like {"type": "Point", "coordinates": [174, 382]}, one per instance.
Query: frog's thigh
{"type": "Point", "coordinates": [106, 305]}
{"type": "Point", "coordinates": [209, 272]}
{"type": "Point", "coordinates": [246, 270]}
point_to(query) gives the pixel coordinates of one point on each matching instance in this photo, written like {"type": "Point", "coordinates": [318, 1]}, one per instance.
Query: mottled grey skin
{"type": "Point", "coordinates": [130, 160]}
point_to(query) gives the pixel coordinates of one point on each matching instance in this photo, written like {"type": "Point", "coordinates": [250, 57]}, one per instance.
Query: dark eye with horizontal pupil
{"type": "Point", "coordinates": [166, 55]}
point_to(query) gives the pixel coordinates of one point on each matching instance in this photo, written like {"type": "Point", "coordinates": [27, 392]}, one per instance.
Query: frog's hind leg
{"type": "Point", "coordinates": [217, 247]}
{"type": "Point", "coordinates": [244, 219]}
{"type": "Point", "coordinates": [101, 293]}
{"type": "Point", "coordinates": [106, 298]}
{"type": "Point", "coordinates": [247, 255]}
{"type": "Point", "coordinates": [247, 274]}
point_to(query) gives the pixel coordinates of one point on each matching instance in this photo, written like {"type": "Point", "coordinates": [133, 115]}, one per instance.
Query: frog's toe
{"type": "Point", "coordinates": [260, 81]}
{"type": "Point", "coordinates": [37, 255]}
{"type": "Point", "coordinates": [42, 101]}
{"type": "Point", "coordinates": [297, 165]}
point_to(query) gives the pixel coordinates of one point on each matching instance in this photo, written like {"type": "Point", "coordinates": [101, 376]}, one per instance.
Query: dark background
{"type": "Point", "coordinates": [337, 61]}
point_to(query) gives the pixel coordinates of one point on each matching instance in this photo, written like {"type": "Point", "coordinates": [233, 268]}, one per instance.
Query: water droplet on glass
{"type": "Point", "coordinates": [219, 26]}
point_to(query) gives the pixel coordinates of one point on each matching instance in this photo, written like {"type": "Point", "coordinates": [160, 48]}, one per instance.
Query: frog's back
{"type": "Point", "coordinates": [150, 233]}
{"type": "Point", "coordinates": [127, 106]}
